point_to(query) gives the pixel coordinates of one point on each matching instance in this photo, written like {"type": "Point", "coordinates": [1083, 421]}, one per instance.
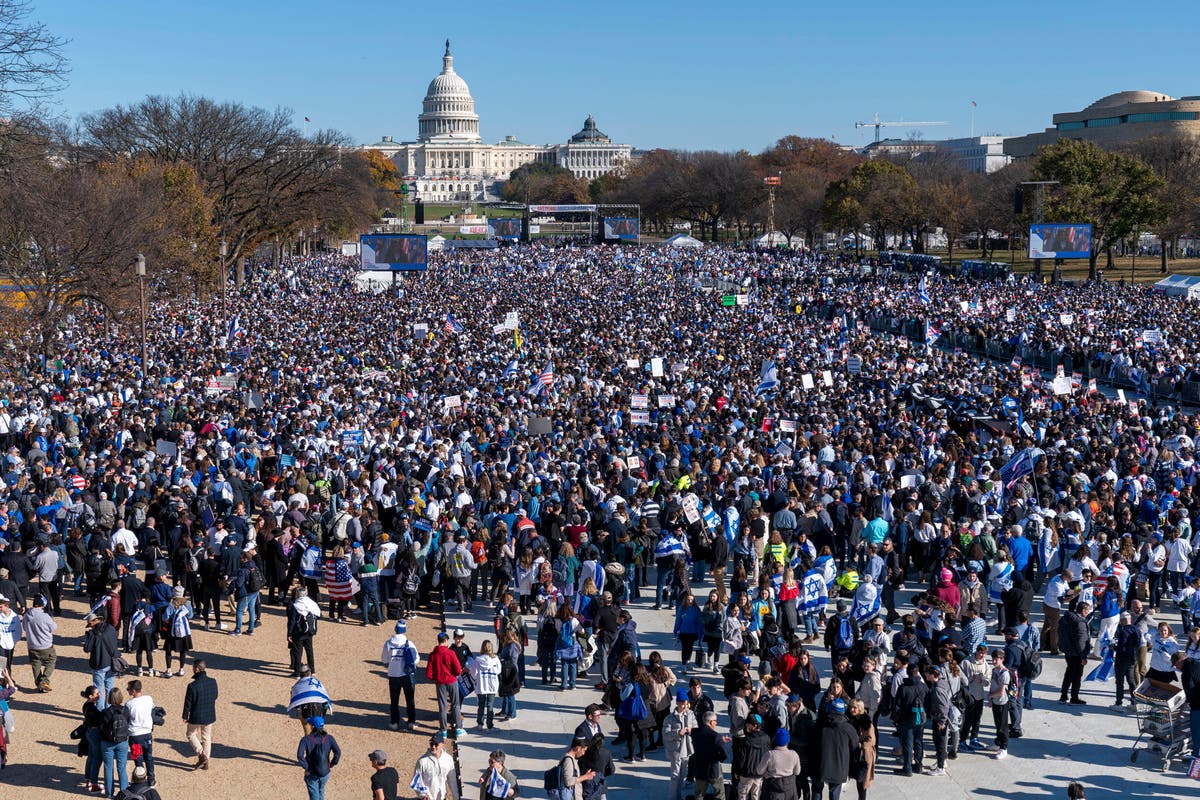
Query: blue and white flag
{"type": "Point", "coordinates": [815, 592]}
{"type": "Point", "coordinates": [1019, 466]}
{"type": "Point", "coordinates": [932, 333]}
{"type": "Point", "coordinates": [497, 786]}
{"type": "Point", "coordinates": [306, 691]}
{"type": "Point", "coordinates": [1105, 670]}
{"type": "Point", "coordinates": [509, 371]}
{"type": "Point", "coordinates": [235, 329]}
{"type": "Point", "coordinates": [923, 289]}
{"type": "Point", "coordinates": [418, 785]}
{"type": "Point", "coordinates": [451, 325]}
{"type": "Point", "coordinates": [768, 378]}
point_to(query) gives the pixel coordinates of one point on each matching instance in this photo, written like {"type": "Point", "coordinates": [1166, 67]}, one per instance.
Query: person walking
{"type": "Point", "coordinates": [200, 712]}
{"type": "Point", "coordinates": [839, 741]}
{"type": "Point", "coordinates": [401, 657]}
{"type": "Point", "coordinates": [318, 753]}
{"type": "Point", "coordinates": [443, 668]}
{"type": "Point", "coordinates": [141, 726]}
{"type": "Point", "coordinates": [385, 781]}
{"type": "Point", "coordinates": [496, 782]}
{"type": "Point", "coordinates": [710, 747]}
{"type": "Point", "coordinates": [103, 649]}
{"type": "Point", "coordinates": [1189, 672]}
{"type": "Point", "coordinates": [1125, 646]}
{"type": "Point", "coordinates": [39, 637]}
{"type": "Point", "coordinates": [302, 616]}
{"type": "Point", "coordinates": [177, 629]}
{"type": "Point", "coordinates": [908, 713]}
{"type": "Point", "coordinates": [246, 584]}
{"type": "Point", "coordinates": [114, 741]}
{"type": "Point", "coordinates": [1075, 643]}
{"type": "Point", "coordinates": [434, 776]}
{"type": "Point", "coordinates": [10, 632]}
{"type": "Point", "coordinates": [677, 735]}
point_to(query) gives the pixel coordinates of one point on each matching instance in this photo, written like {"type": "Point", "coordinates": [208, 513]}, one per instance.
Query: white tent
{"type": "Point", "coordinates": [777, 239]}
{"type": "Point", "coordinates": [437, 243]}
{"type": "Point", "coordinates": [1179, 286]}
{"type": "Point", "coordinates": [683, 240]}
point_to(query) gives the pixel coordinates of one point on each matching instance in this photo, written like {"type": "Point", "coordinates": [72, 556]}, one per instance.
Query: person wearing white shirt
{"type": "Point", "coordinates": [1179, 555]}
{"type": "Point", "coordinates": [141, 725]}
{"type": "Point", "coordinates": [1056, 591]}
{"type": "Point", "coordinates": [124, 536]}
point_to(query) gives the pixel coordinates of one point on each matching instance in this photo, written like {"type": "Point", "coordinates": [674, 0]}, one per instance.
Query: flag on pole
{"type": "Point", "coordinates": [517, 339]}
{"type": "Point", "coordinates": [932, 334]}
{"type": "Point", "coordinates": [235, 330]}
{"type": "Point", "coordinates": [974, 104]}
{"type": "Point", "coordinates": [768, 378]}
{"type": "Point", "coordinates": [306, 119]}
{"type": "Point", "coordinates": [923, 289]}
{"type": "Point", "coordinates": [543, 381]}
{"type": "Point", "coordinates": [510, 370]}
{"type": "Point", "coordinates": [451, 325]}
{"type": "Point", "coordinates": [1019, 466]}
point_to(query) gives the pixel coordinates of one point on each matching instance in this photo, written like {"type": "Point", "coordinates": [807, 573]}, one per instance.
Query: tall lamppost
{"type": "Point", "coordinates": [224, 251]}
{"type": "Point", "coordinates": [140, 262]}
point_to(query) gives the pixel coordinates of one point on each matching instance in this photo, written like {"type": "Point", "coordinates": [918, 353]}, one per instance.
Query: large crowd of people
{"type": "Point", "coordinates": [557, 439]}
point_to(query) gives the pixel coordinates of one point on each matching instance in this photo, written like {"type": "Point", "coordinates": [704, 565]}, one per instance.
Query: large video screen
{"type": "Point", "coordinates": [507, 229]}
{"type": "Point", "coordinates": [621, 228]}
{"type": "Point", "coordinates": [1060, 241]}
{"type": "Point", "coordinates": [393, 252]}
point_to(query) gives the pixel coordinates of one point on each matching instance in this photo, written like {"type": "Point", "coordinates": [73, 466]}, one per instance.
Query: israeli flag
{"type": "Point", "coordinates": [418, 785]}
{"type": "Point", "coordinates": [1105, 670]}
{"type": "Point", "coordinates": [497, 786]}
{"type": "Point", "coordinates": [923, 289]}
{"type": "Point", "coordinates": [509, 371]}
{"type": "Point", "coordinates": [768, 378]}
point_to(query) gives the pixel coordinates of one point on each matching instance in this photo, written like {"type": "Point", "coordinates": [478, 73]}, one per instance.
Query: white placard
{"type": "Point", "coordinates": [787, 426]}
{"type": "Point", "coordinates": [633, 462]}
{"type": "Point", "coordinates": [1152, 336]}
{"type": "Point", "coordinates": [656, 367]}
{"type": "Point", "coordinates": [827, 377]}
{"type": "Point", "coordinates": [1062, 385]}
{"type": "Point", "coordinates": [453, 401]}
{"type": "Point", "coordinates": [1066, 319]}
{"type": "Point", "coordinates": [806, 380]}
{"type": "Point", "coordinates": [499, 329]}
{"type": "Point", "coordinates": [632, 363]}
{"type": "Point", "coordinates": [743, 299]}
{"type": "Point", "coordinates": [512, 320]}
{"type": "Point", "coordinates": [854, 365]}
{"type": "Point", "coordinates": [639, 417]}
{"type": "Point", "coordinates": [666, 401]}
{"type": "Point", "coordinates": [639, 401]}
{"type": "Point", "coordinates": [1011, 315]}
{"type": "Point", "coordinates": [420, 331]}
{"type": "Point", "coordinates": [1121, 397]}
{"type": "Point", "coordinates": [784, 449]}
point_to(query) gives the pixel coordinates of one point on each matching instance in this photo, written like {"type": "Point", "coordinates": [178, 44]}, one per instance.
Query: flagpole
{"type": "Point", "coordinates": [972, 119]}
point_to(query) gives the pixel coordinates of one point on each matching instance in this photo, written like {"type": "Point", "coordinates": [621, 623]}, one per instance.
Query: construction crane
{"type": "Point", "coordinates": [877, 125]}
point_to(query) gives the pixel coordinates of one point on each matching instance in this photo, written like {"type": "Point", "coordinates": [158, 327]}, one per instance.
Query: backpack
{"type": "Point", "coordinates": [844, 639]}
{"type": "Point", "coordinates": [1031, 663]}
{"type": "Point", "coordinates": [305, 625]}
{"type": "Point", "coordinates": [94, 565]}
{"type": "Point", "coordinates": [139, 514]}
{"type": "Point", "coordinates": [412, 582]}
{"type": "Point", "coordinates": [552, 783]}
{"type": "Point", "coordinates": [114, 725]}
{"type": "Point", "coordinates": [191, 563]}
{"type": "Point", "coordinates": [559, 570]}
{"type": "Point", "coordinates": [566, 637]}
{"type": "Point", "coordinates": [254, 581]}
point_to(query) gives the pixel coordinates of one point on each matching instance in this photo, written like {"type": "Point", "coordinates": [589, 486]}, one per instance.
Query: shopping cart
{"type": "Point", "coordinates": [1162, 715]}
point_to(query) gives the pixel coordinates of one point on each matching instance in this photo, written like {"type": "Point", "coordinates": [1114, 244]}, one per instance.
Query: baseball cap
{"type": "Point", "coordinates": [377, 757]}
{"type": "Point", "coordinates": [437, 738]}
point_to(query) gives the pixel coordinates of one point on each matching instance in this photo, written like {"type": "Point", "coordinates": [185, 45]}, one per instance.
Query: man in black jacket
{"type": "Point", "coordinates": [200, 712]}
{"type": "Point", "coordinates": [751, 751]}
{"type": "Point", "coordinates": [101, 645]}
{"type": "Point", "coordinates": [606, 624]}
{"type": "Point", "coordinates": [1125, 650]}
{"type": "Point", "coordinates": [1075, 644]}
{"type": "Point", "coordinates": [908, 712]}
{"type": "Point", "coordinates": [1189, 673]}
{"type": "Point", "coordinates": [839, 740]}
{"type": "Point", "coordinates": [710, 752]}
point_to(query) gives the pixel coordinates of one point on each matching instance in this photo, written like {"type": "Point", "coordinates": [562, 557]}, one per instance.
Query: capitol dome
{"type": "Point", "coordinates": [448, 112]}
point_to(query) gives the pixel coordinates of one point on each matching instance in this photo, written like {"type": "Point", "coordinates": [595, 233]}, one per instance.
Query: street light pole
{"type": "Point", "coordinates": [140, 262]}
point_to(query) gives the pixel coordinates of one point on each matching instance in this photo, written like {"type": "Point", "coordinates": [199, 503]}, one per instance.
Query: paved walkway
{"type": "Point", "coordinates": [1090, 744]}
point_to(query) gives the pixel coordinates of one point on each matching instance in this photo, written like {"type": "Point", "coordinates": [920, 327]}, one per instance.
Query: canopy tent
{"type": "Point", "coordinates": [777, 239]}
{"type": "Point", "coordinates": [1179, 286]}
{"type": "Point", "coordinates": [683, 240]}
{"type": "Point", "coordinates": [436, 243]}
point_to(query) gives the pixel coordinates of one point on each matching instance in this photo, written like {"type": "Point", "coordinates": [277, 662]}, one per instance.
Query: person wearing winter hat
{"type": "Point", "coordinates": [401, 657]}
{"type": "Point", "coordinates": [677, 735]}
{"type": "Point", "coordinates": [783, 766]}
{"type": "Point", "coordinates": [318, 753]}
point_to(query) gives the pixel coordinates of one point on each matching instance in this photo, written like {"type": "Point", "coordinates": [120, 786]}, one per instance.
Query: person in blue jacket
{"type": "Point", "coordinates": [688, 629]}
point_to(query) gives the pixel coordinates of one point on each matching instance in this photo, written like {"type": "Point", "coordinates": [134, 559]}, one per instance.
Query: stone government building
{"type": "Point", "coordinates": [449, 162]}
{"type": "Point", "coordinates": [1115, 120]}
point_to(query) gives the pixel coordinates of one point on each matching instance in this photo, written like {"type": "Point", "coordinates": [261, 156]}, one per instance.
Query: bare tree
{"type": "Point", "coordinates": [32, 65]}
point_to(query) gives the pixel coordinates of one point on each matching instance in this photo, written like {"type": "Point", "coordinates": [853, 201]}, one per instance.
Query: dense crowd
{"type": "Point", "coordinates": [546, 436]}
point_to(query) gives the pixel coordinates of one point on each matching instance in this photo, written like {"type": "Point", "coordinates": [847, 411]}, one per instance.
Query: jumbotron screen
{"type": "Point", "coordinates": [393, 252]}
{"type": "Point", "coordinates": [1060, 241]}
{"type": "Point", "coordinates": [507, 229]}
{"type": "Point", "coordinates": [621, 228]}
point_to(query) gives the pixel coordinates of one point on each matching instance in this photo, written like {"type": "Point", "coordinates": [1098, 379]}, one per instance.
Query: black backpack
{"type": "Point", "coordinates": [114, 724]}
{"type": "Point", "coordinates": [1031, 663]}
{"type": "Point", "coordinates": [254, 580]}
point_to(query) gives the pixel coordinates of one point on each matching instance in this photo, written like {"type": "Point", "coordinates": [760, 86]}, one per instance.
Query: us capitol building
{"type": "Point", "coordinates": [449, 162]}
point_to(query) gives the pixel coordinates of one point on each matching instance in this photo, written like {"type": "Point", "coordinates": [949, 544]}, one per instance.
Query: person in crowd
{"type": "Point", "coordinates": [443, 669]}
{"type": "Point", "coordinates": [385, 781]}
{"type": "Point", "coordinates": [200, 712]}
{"type": "Point", "coordinates": [318, 753]}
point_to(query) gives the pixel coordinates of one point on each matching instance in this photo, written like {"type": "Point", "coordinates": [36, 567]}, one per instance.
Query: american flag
{"type": "Point", "coordinates": [546, 378]}
{"type": "Point", "coordinates": [79, 482]}
{"type": "Point", "coordinates": [451, 325]}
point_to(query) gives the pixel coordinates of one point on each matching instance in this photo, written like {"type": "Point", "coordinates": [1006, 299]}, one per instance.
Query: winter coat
{"type": "Point", "coordinates": [839, 741]}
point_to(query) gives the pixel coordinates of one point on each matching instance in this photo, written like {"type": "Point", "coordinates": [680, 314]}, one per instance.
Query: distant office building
{"type": "Point", "coordinates": [978, 153]}
{"type": "Point", "coordinates": [1115, 120]}
{"type": "Point", "coordinates": [450, 162]}
{"type": "Point", "coordinates": [898, 148]}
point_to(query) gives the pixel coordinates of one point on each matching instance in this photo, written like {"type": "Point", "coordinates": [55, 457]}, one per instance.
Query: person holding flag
{"type": "Point", "coordinates": [768, 378]}
{"type": "Point", "coordinates": [496, 781]}
{"type": "Point", "coordinates": [923, 290]}
{"type": "Point", "coordinates": [433, 777]}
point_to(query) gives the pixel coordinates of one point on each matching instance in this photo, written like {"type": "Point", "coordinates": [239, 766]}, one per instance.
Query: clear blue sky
{"type": "Point", "coordinates": [695, 75]}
